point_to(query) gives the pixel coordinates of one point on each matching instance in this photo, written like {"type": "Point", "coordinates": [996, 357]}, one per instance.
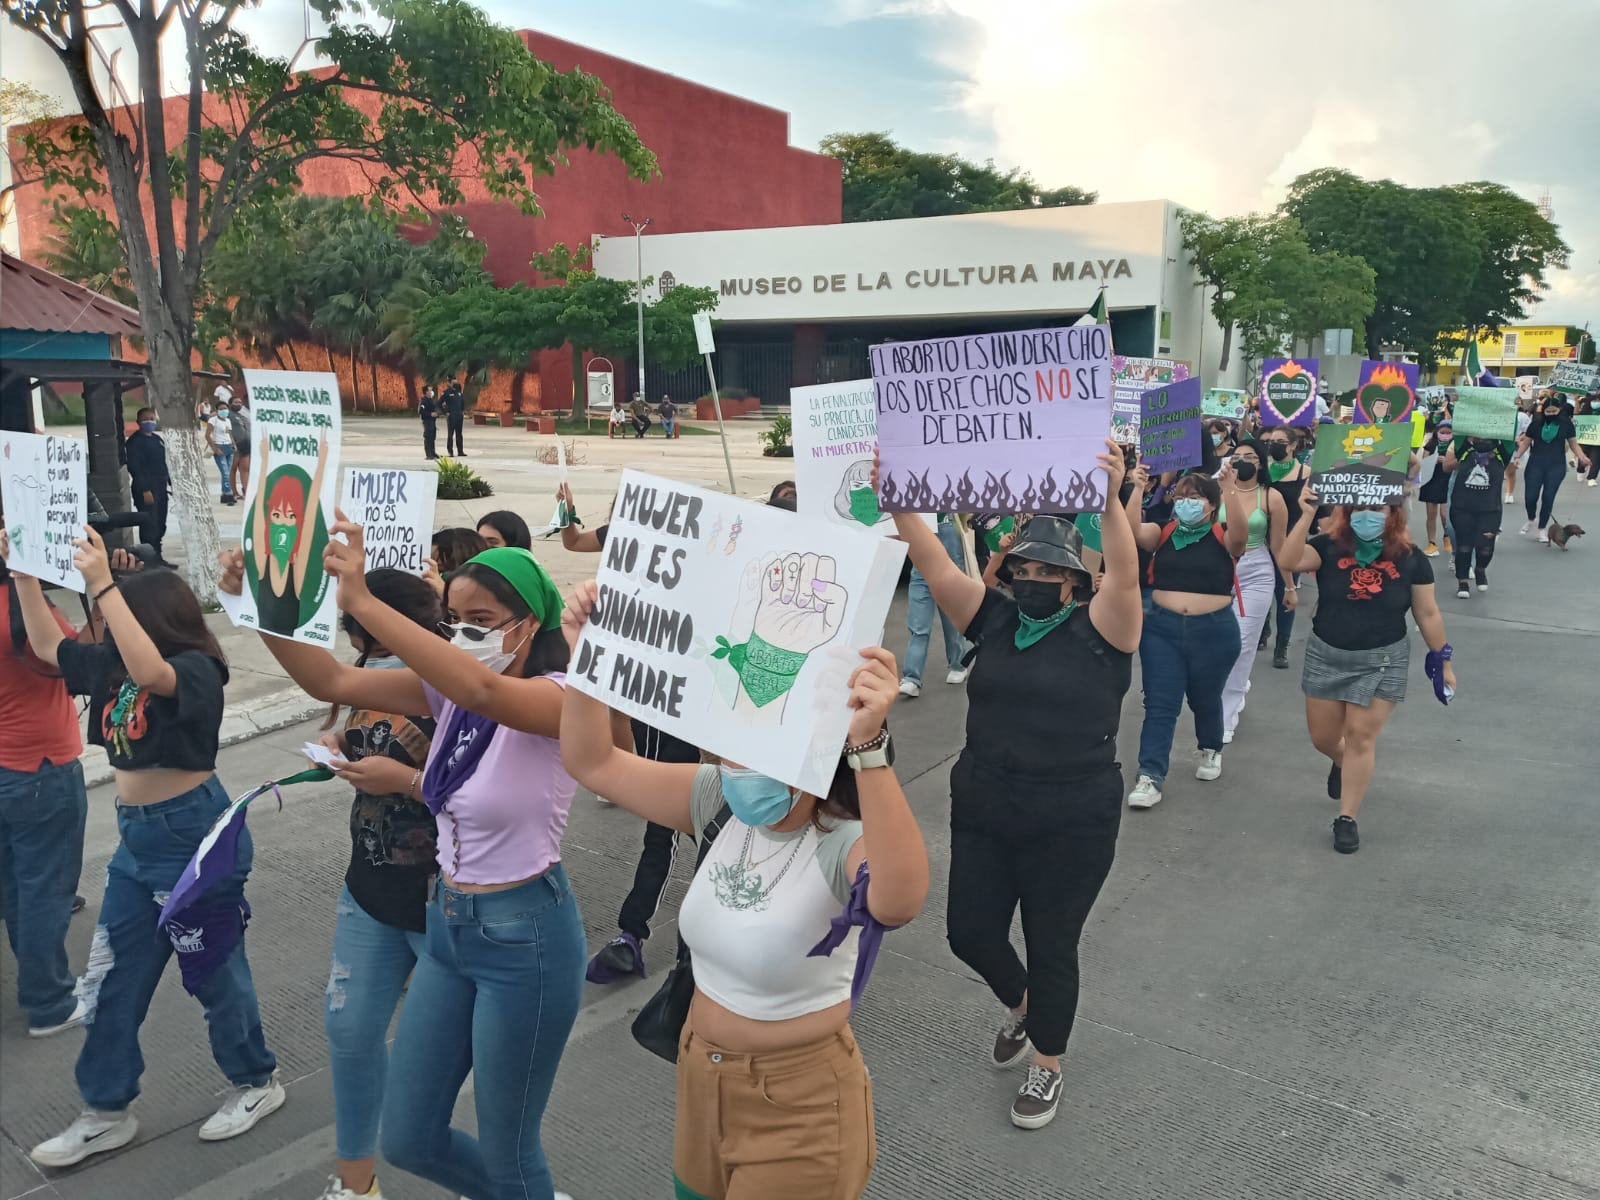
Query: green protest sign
{"type": "Point", "coordinates": [1486, 412]}
{"type": "Point", "coordinates": [1588, 430]}
{"type": "Point", "coordinates": [1362, 464]}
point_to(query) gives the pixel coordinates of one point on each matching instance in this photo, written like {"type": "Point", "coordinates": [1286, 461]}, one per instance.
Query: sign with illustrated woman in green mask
{"type": "Point", "coordinates": [290, 506]}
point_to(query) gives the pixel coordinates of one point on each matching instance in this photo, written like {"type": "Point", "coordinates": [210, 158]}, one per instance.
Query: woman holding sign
{"type": "Point", "coordinates": [774, 1100]}
{"type": "Point", "coordinates": [1036, 795]}
{"type": "Point", "coordinates": [155, 701]}
{"type": "Point", "coordinates": [500, 973]}
{"type": "Point", "coordinates": [1370, 576]}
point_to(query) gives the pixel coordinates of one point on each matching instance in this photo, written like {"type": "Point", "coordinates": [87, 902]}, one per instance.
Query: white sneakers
{"type": "Point", "coordinates": [1527, 526]}
{"type": "Point", "coordinates": [80, 1010]}
{"type": "Point", "coordinates": [92, 1133]}
{"type": "Point", "coordinates": [1208, 765]}
{"type": "Point", "coordinates": [909, 689]}
{"type": "Point", "coordinates": [1544, 537]}
{"type": "Point", "coordinates": [957, 675]}
{"type": "Point", "coordinates": [337, 1191]}
{"type": "Point", "coordinates": [1146, 793]}
{"type": "Point", "coordinates": [242, 1110]}
{"type": "Point", "coordinates": [1227, 737]}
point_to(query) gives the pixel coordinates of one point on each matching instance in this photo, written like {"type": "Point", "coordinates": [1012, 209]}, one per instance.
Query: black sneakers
{"type": "Point", "coordinates": [1011, 1043]}
{"type": "Point", "coordinates": [1035, 1105]}
{"type": "Point", "coordinates": [1336, 782]}
{"type": "Point", "coordinates": [1280, 657]}
{"type": "Point", "coordinates": [1346, 837]}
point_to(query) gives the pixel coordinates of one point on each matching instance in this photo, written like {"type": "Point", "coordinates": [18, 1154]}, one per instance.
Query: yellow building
{"type": "Point", "coordinates": [1519, 350]}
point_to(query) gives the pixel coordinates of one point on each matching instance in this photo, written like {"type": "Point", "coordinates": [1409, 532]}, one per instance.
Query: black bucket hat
{"type": "Point", "coordinates": [1050, 539]}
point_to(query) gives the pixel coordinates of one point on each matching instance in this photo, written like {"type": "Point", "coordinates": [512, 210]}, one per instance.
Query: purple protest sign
{"type": "Point", "coordinates": [1169, 427]}
{"type": "Point", "coordinates": [1385, 392]}
{"type": "Point", "coordinates": [994, 422]}
{"type": "Point", "coordinates": [1288, 391]}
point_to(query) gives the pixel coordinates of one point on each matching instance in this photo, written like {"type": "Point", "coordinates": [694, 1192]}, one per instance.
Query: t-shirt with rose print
{"type": "Point", "coordinates": [1364, 607]}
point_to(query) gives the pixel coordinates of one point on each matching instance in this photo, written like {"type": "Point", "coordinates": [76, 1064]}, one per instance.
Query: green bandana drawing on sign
{"type": "Point", "coordinates": [280, 542]}
{"type": "Point", "coordinates": [285, 534]}
{"type": "Point", "coordinates": [798, 608]}
{"type": "Point", "coordinates": [864, 506]}
{"type": "Point", "coordinates": [765, 671]}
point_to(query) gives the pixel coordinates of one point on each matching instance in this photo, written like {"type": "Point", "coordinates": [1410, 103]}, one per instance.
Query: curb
{"type": "Point", "coordinates": [272, 712]}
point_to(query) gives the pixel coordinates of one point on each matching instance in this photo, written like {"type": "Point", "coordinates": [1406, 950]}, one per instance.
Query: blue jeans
{"type": "Point", "coordinates": [1183, 656]}
{"type": "Point", "coordinates": [41, 854]}
{"type": "Point", "coordinates": [224, 460]}
{"type": "Point", "coordinates": [371, 962]}
{"type": "Point", "coordinates": [1285, 615]}
{"type": "Point", "coordinates": [919, 616]}
{"type": "Point", "coordinates": [496, 991]}
{"type": "Point", "coordinates": [129, 952]}
{"type": "Point", "coordinates": [1541, 480]}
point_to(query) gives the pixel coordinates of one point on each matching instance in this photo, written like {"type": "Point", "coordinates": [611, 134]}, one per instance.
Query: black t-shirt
{"type": "Point", "coordinates": [140, 730]}
{"type": "Point", "coordinates": [1480, 480]}
{"type": "Point", "coordinates": [600, 534]}
{"type": "Point", "coordinates": [1362, 608]}
{"type": "Point", "coordinates": [1202, 568]}
{"type": "Point", "coordinates": [1556, 447]}
{"type": "Point", "coordinates": [1041, 752]}
{"type": "Point", "coordinates": [393, 839]}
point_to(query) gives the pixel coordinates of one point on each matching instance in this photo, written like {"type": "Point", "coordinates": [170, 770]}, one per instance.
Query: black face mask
{"type": "Point", "coordinates": [1278, 450]}
{"type": "Point", "coordinates": [1551, 414]}
{"type": "Point", "coordinates": [1483, 447]}
{"type": "Point", "coordinates": [1246, 471]}
{"type": "Point", "coordinates": [1037, 598]}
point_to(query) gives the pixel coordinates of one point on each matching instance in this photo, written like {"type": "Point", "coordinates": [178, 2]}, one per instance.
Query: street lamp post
{"type": "Point", "coordinates": [638, 243]}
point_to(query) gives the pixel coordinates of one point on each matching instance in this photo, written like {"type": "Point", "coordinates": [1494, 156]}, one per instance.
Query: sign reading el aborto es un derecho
{"type": "Point", "coordinates": [289, 506]}
{"type": "Point", "coordinates": [45, 492]}
{"type": "Point", "coordinates": [1361, 464]}
{"type": "Point", "coordinates": [994, 422]}
{"type": "Point", "coordinates": [395, 511]}
{"type": "Point", "coordinates": [734, 626]}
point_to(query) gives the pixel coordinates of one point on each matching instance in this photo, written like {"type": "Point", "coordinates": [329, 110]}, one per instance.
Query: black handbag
{"type": "Point", "coordinates": [659, 1025]}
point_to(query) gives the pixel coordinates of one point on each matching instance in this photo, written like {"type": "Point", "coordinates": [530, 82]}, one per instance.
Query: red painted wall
{"type": "Point", "coordinates": [725, 163]}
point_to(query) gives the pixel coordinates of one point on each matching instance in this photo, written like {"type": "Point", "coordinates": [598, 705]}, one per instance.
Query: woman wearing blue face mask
{"type": "Point", "coordinates": [1370, 575]}
{"type": "Point", "coordinates": [1191, 631]}
{"type": "Point", "coordinates": [773, 1097]}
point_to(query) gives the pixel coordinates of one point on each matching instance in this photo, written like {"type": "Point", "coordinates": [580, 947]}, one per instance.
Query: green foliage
{"type": "Point", "coordinates": [83, 246]}
{"type": "Point", "coordinates": [1520, 245]}
{"type": "Point", "coordinates": [777, 436]}
{"type": "Point", "coordinates": [457, 481]}
{"type": "Point", "coordinates": [884, 181]}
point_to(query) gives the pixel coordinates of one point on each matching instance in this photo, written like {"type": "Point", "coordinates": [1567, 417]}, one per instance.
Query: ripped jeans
{"type": "Point", "coordinates": [371, 963]}
{"type": "Point", "coordinates": [130, 953]}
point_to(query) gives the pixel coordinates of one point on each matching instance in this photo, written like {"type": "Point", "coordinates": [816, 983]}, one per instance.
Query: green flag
{"type": "Point", "coordinates": [1471, 367]}
{"type": "Point", "coordinates": [1098, 314]}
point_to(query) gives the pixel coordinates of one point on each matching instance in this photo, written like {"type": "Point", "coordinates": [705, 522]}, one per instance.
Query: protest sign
{"type": "Point", "coordinates": [1231, 403]}
{"type": "Point", "coordinates": [994, 422]}
{"type": "Point", "coordinates": [45, 491]}
{"type": "Point", "coordinates": [1363, 464]}
{"type": "Point", "coordinates": [1169, 429]}
{"type": "Point", "coordinates": [289, 505]}
{"type": "Point", "coordinates": [734, 626]}
{"type": "Point", "coordinates": [835, 430]}
{"type": "Point", "coordinates": [1385, 391]}
{"type": "Point", "coordinates": [1588, 430]}
{"type": "Point", "coordinates": [1130, 379]}
{"type": "Point", "coordinates": [395, 511]}
{"type": "Point", "coordinates": [1288, 391]}
{"type": "Point", "coordinates": [1576, 378]}
{"type": "Point", "coordinates": [1419, 426]}
{"type": "Point", "coordinates": [1486, 412]}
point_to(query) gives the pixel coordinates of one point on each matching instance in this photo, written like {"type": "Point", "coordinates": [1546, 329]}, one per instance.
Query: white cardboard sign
{"type": "Point", "coordinates": [835, 432]}
{"type": "Point", "coordinates": [395, 511]}
{"type": "Point", "coordinates": [702, 333]}
{"type": "Point", "coordinates": [735, 626]}
{"type": "Point", "coordinates": [44, 484]}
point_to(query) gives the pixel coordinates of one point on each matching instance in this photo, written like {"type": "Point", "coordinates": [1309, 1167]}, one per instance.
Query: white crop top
{"type": "Point", "coordinates": [759, 903]}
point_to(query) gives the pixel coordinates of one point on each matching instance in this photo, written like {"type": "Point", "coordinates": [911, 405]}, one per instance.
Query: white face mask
{"type": "Point", "coordinates": [488, 646]}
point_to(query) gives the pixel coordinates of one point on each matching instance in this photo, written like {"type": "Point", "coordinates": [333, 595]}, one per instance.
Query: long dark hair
{"type": "Point", "coordinates": [549, 652]}
{"type": "Point", "coordinates": [452, 546]}
{"type": "Point", "coordinates": [169, 613]}
{"type": "Point", "coordinates": [1262, 479]}
{"type": "Point", "coordinates": [512, 529]}
{"type": "Point", "coordinates": [409, 595]}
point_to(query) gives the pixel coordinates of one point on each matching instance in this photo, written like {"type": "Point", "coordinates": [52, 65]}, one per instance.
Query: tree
{"type": "Point", "coordinates": [1520, 245]}
{"type": "Point", "coordinates": [20, 104]}
{"type": "Point", "coordinates": [883, 181]}
{"type": "Point", "coordinates": [422, 94]}
{"type": "Point", "coordinates": [84, 248]}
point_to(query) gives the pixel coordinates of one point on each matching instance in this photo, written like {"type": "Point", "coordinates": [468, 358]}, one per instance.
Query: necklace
{"type": "Point", "coordinates": [739, 887]}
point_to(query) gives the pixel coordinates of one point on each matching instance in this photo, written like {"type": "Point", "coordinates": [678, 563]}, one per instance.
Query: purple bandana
{"type": "Point", "coordinates": [1433, 667]}
{"type": "Point", "coordinates": [204, 936]}
{"type": "Point", "coordinates": [855, 913]}
{"type": "Point", "coordinates": [458, 747]}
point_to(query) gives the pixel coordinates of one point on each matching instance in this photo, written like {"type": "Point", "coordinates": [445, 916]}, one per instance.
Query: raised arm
{"type": "Point", "coordinates": [258, 515]}
{"type": "Point", "coordinates": [575, 537]}
{"type": "Point", "coordinates": [957, 594]}
{"type": "Point", "coordinates": [658, 792]}
{"type": "Point", "coordinates": [1237, 509]}
{"type": "Point", "coordinates": [1296, 555]}
{"type": "Point", "coordinates": [1277, 524]}
{"type": "Point", "coordinates": [44, 635]}
{"type": "Point", "coordinates": [1117, 609]}
{"type": "Point", "coordinates": [1146, 534]}
{"type": "Point", "coordinates": [140, 656]}
{"type": "Point", "coordinates": [302, 557]}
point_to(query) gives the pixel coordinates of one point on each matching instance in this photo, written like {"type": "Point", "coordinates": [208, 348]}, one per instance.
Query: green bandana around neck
{"type": "Point", "coordinates": [765, 671]}
{"type": "Point", "coordinates": [1367, 552]}
{"type": "Point", "coordinates": [532, 582]}
{"type": "Point", "coordinates": [1550, 431]}
{"type": "Point", "coordinates": [1031, 629]}
{"type": "Point", "coordinates": [1277, 470]}
{"type": "Point", "coordinates": [1185, 536]}
{"type": "Point", "coordinates": [280, 541]}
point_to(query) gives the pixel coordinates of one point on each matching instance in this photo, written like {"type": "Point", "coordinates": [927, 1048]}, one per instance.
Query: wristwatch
{"type": "Point", "coordinates": [870, 754]}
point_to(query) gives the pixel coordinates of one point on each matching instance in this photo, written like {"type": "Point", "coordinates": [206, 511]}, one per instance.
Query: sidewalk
{"type": "Point", "coordinates": [262, 699]}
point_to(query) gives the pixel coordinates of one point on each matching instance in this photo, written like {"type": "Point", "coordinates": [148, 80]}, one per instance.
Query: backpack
{"type": "Point", "coordinates": [1217, 532]}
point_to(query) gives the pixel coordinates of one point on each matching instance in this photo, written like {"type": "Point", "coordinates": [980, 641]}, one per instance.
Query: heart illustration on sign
{"type": "Point", "coordinates": [1286, 393]}
{"type": "Point", "coordinates": [1386, 393]}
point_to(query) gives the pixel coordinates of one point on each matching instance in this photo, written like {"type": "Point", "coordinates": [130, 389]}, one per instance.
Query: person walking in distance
{"type": "Point", "coordinates": [147, 472]}
{"type": "Point", "coordinates": [1475, 509]}
{"type": "Point", "coordinates": [1288, 479]}
{"type": "Point", "coordinates": [428, 410]}
{"type": "Point", "coordinates": [1550, 436]}
{"type": "Point", "coordinates": [455, 412]}
{"type": "Point", "coordinates": [920, 609]}
{"type": "Point", "coordinates": [219, 439]}
{"type": "Point", "coordinates": [239, 425]}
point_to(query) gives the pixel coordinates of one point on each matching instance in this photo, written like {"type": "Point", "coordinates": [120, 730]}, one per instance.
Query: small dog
{"type": "Point", "coordinates": [1561, 534]}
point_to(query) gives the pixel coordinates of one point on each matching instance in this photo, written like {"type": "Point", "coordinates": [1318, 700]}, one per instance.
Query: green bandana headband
{"type": "Point", "coordinates": [530, 581]}
{"type": "Point", "coordinates": [1185, 536]}
{"type": "Point", "coordinates": [764, 670]}
{"type": "Point", "coordinates": [1031, 629]}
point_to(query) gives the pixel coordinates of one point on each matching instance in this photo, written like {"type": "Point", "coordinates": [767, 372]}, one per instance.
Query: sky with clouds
{"type": "Point", "coordinates": [1214, 105]}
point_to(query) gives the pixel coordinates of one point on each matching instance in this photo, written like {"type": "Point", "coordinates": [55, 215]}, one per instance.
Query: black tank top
{"type": "Point", "coordinates": [1203, 568]}
{"type": "Point", "coordinates": [1290, 490]}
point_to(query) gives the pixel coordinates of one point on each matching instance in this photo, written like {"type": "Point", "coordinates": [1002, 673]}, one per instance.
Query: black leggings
{"type": "Point", "coordinates": [1543, 475]}
{"type": "Point", "coordinates": [1476, 533]}
{"type": "Point", "coordinates": [1055, 878]}
{"type": "Point", "coordinates": [649, 880]}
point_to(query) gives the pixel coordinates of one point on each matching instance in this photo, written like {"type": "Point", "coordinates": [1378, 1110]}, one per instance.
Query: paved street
{"type": "Point", "coordinates": [1260, 1017]}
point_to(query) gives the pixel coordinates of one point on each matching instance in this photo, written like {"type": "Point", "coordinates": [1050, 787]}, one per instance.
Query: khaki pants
{"type": "Point", "coordinates": [791, 1125]}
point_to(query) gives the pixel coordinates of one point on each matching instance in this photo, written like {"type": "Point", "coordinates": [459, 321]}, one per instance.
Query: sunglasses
{"type": "Point", "coordinates": [473, 633]}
